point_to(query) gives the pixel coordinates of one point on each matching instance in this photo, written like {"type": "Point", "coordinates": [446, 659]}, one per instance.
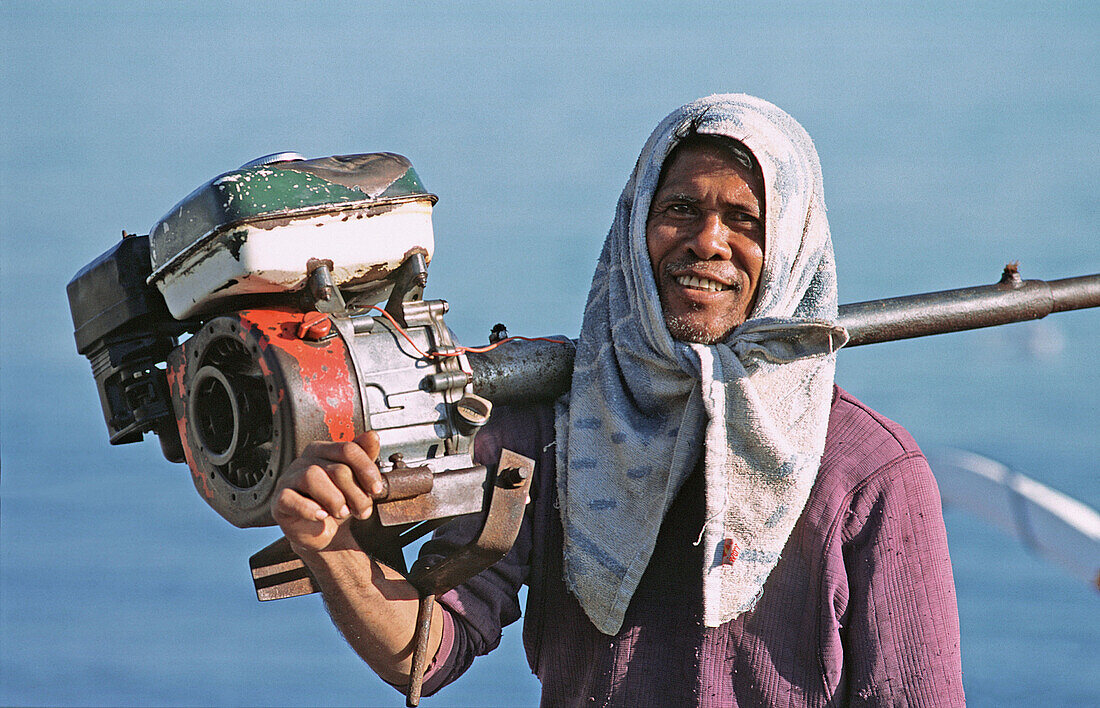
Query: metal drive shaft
{"type": "Point", "coordinates": [526, 372]}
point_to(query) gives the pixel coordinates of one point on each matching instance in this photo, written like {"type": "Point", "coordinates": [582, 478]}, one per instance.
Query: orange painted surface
{"type": "Point", "coordinates": [175, 388]}
{"type": "Point", "coordinates": [322, 366]}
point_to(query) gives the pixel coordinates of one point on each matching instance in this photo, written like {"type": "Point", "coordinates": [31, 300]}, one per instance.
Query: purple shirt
{"type": "Point", "coordinates": [860, 609]}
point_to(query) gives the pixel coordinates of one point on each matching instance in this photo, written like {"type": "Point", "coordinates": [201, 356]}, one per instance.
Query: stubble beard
{"type": "Point", "coordinates": [691, 327]}
{"type": "Point", "coordinates": [685, 328]}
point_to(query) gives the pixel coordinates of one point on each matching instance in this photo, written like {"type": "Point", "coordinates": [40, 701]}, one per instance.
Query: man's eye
{"type": "Point", "coordinates": [680, 209]}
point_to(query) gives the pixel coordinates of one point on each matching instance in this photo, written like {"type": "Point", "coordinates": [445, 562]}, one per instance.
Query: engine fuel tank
{"type": "Point", "coordinates": [251, 231]}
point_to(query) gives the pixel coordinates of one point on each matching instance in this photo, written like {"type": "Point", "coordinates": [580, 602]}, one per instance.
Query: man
{"type": "Point", "coordinates": [712, 522]}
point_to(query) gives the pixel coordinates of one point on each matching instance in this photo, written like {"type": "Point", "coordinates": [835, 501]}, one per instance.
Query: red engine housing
{"type": "Point", "coordinates": [249, 391]}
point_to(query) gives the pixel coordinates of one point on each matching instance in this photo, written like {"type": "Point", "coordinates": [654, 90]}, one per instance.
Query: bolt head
{"type": "Point", "coordinates": [512, 477]}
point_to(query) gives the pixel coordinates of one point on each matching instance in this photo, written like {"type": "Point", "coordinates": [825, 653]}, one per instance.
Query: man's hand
{"type": "Point", "coordinates": [373, 605]}
{"type": "Point", "coordinates": [326, 486]}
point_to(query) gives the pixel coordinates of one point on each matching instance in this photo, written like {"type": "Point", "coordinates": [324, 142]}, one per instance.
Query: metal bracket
{"type": "Point", "coordinates": [499, 528]}
{"type": "Point", "coordinates": [326, 296]}
{"type": "Point", "coordinates": [498, 532]}
{"type": "Point", "coordinates": [408, 284]}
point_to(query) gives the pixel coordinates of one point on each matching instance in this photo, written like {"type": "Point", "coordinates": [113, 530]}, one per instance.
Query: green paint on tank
{"type": "Point", "coordinates": [408, 183]}
{"type": "Point", "coordinates": [265, 190]}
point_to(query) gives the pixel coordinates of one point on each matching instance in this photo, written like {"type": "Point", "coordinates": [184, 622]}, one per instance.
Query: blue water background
{"type": "Point", "coordinates": [953, 140]}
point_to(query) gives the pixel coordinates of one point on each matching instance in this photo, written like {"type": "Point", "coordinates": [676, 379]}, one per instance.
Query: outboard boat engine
{"type": "Point", "coordinates": [300, 282]}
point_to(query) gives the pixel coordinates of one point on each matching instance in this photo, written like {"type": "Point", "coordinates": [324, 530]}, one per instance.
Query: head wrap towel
{"type": "Point", "coordinates": [645, 410]}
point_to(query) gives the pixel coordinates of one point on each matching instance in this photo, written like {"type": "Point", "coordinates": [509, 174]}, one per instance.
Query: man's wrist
{"type": "Point", "coordinates": [344, 561]}
{"type": "Point", "coordinates": [342, 541]}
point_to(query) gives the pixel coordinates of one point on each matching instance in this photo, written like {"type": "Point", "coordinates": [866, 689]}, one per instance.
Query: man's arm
{"type": "Point", "coordinates": [901, 627]}
{"type": "Point", "coordinates": [372, 605]}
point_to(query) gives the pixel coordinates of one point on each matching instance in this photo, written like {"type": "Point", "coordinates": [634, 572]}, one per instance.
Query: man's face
{"type": "Point", "coordinates": [705, 235]}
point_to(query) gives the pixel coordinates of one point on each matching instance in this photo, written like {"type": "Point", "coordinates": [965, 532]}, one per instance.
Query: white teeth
{"type": "Point", "coordinates": [691, 281]}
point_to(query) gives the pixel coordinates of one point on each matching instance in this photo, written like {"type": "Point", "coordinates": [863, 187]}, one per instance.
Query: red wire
{"type": "Point", "coordinates": [461, 350]}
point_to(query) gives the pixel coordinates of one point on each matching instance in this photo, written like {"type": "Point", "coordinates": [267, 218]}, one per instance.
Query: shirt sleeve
{"type": "Point", "coordinates": [900, 629]}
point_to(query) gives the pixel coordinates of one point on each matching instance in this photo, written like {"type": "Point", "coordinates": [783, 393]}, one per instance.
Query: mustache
{"type": "Point", "coordinates": [705, 269]}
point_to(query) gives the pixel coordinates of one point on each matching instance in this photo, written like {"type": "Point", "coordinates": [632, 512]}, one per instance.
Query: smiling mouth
{"type": "Point", "coordinates": [696, 283]}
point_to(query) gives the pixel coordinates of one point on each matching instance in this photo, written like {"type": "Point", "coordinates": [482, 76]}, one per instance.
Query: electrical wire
{"type": "Point", "coordinates": [459, 351]}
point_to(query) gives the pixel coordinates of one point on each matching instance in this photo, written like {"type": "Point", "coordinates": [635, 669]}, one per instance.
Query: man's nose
{"type": "Point", "coordinates": [711, 239]}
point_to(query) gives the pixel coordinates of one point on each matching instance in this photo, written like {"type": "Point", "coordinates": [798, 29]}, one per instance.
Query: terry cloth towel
{"type": "Point", "coordinates": [643, 406]}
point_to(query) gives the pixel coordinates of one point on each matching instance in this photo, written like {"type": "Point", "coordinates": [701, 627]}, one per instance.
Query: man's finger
{"type": "Point", "coordinates": [292, 506]}
{"type": "Point", "coordinates": [360, 455]}
{"type": "Point", "coordinates": [306, 525]}
{"type": "Point", "coordinates": [316, 484]}
{"type": "Point", "coordinates": [348, 482]}
{"type": "Point", "coordinates": [370, 443]}
{"type": "Point", "coordinates": [360, 462]}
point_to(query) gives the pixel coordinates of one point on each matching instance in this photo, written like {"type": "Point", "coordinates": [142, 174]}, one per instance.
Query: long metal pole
{"type": "Point", "coordinates": [1011, 300]}
{"type": "Point", "coordinates": [541, 371]}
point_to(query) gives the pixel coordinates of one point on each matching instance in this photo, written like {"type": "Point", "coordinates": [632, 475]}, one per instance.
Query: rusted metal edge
{"type": "Point", "coordinates": [279, 573]}
{"type": "Point", "coordinates": [420, 650]}
{"type": "Point", "coordinates": [497, 533]}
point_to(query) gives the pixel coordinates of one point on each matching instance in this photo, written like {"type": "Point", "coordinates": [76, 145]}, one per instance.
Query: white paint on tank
{"type": "Point", "coordinates": [273, 260]}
